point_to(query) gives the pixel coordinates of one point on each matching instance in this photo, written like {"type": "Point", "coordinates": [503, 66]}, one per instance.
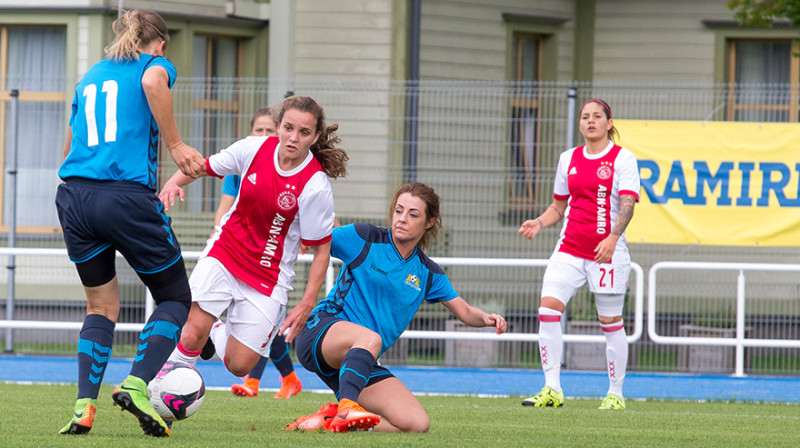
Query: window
{"type": "Point", "coordinates": [763, 80]}
{"type": "Point", "coordinates": [525, 64]}
{"type": "Point", "coordinates": [216, 63]}
{"type": "Point", "coordinates": [32, 61]}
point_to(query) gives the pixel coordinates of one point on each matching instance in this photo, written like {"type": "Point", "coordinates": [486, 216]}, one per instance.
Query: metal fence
{"type": "Point", "coordinates": [490, 149]}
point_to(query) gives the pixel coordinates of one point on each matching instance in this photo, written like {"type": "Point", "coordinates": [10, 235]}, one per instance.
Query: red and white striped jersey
{"type": "Point", "coordinates": [592, 184]}
{"type": "Point", "coordinates": [274, 211]}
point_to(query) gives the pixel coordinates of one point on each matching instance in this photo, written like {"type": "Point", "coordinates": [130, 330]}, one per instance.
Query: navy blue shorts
{"type": "Point", "coordinates": [308, 346]}
{"type": "Point", "coordinates": [126, 216]}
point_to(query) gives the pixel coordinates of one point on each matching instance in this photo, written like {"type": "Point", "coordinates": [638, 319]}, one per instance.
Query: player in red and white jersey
{"type": "Point", "coordinates": [595, 190]}
{"type": "Point", "coordinates": [285, 198]}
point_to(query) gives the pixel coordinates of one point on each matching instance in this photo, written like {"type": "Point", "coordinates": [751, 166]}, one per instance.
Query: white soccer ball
{"type": "Point", "coordinates": [177, 391]}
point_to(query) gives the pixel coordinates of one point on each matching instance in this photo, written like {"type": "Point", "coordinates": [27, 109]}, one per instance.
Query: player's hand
{"type": "Point", "coordinates": [497, 321]}
{"type": "Point", "coordinates": [295, 321]}
{"type": "Point", "coordinates": [530, 228]}
{"type": "Point", "coordinates": [605, 249]}
{"type": "Point", "coordinates": [168, 193]}
{"type": "Point", "coordinates": [303, 248]}
{"type": "Point", "coordinates": [188, 159]}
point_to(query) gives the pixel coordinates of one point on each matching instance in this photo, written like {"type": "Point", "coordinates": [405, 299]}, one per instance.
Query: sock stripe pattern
{"type": "Point", "coordinates": [616, 355]}
{"type": "Point", "coordinates": [155, 328]}
{"type": "Point", "coordinates": [158, 339]}
{"type": "Point", "coordinates": [356, 369]}
{"type": "Point", "coordinates": [94, 351]}
{"type": "Point", "coordinates": [100, 356]}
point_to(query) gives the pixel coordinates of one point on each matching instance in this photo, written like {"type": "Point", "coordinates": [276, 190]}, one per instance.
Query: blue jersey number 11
{"type": "Point", "coordinates": [90, 92]}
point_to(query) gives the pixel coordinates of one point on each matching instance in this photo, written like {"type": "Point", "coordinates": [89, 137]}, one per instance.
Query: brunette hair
{"type": "Point", "coordinates": [432, 201]}
{"type": "Point", "coordinates": [613, 134]}
{"type": "Point", "coordinates": [260, 113]}
{"type": "Point", "coordinates": [134, 29]}
{"type": "Point", "coordinates": [332, 159]}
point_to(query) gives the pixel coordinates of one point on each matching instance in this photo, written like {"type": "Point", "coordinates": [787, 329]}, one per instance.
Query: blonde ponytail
{"type": "Point", "coordinates": [135, 29]}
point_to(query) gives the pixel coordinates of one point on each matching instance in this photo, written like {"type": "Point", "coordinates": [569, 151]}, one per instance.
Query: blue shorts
{"type": "Point", "coordinates": [309, 352]}
{"type": "Point", "coordinates": [126, 216]}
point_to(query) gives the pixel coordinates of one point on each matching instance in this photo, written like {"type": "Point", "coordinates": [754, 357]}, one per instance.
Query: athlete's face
{"type": "Point", "coordinates": [264, 125]}
{"type": "Point", "coordinates": [297, 134]}
{"type": "Point", "coordinates": [594, 123]}
{"type": "Point", "coordinates": [409, 220]}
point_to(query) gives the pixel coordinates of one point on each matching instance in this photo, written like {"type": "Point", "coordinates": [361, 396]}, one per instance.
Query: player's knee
{"type": "Point", "coordinates": [193, 337]}
{"type": "Point", "coordinates": [419, 424]}
{"type": "Point", "coordinates": [609, 320]}
{"type": "Point", "coordinates": [238, 367]}
{"type": "Point", "coordinates": [373, 343]}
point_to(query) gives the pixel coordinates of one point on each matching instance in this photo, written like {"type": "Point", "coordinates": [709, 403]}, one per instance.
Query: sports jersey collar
{"type": "Point", "coordinates": [599, 154]}
{"type": "Point", "coordinates": [294, 170]}
{"type": "Point", "coordinates": [391, 239]}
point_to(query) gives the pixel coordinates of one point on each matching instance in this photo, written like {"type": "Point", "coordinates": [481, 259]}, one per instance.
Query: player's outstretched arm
{"type": "Point", "coordinates": [475, 317]}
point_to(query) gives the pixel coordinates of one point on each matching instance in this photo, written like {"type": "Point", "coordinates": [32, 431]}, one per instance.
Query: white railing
{"type": "Point", "coordinates": [409, 334]}
{"type": "Point", "coordinates": [739, 341]}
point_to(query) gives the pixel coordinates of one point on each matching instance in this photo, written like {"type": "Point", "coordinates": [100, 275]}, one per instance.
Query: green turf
{"type": "Point", "coordinates": [32, 416]}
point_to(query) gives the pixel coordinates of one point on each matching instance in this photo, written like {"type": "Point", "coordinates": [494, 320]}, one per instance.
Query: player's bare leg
{"type": "Point", "coordinates": [399, 409]}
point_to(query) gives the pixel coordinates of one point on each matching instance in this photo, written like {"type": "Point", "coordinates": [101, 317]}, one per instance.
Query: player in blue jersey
{"type": "Point", "coordinates": [108, 203]}
{"type": "Point", "coordinates": [384, 280]}
{"type": "Point", "coordinates": [263, 123]}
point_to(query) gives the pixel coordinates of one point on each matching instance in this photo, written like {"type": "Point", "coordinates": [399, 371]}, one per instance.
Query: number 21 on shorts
{"type": "Point", "coordinates": [606, 278]}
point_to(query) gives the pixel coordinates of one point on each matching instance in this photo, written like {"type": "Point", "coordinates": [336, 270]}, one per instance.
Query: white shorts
{"type": "Point", "coordinates": [566, 273]}
{"type": "Point", "coordinates": [253, 317]}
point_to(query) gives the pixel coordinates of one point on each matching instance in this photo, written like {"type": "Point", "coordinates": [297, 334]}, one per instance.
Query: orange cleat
{"type": "Point", "coordinates": [318, 420]}
{"type": "Point", "coordinates": [248, 389]}
{"type": "Point", "coordinates": [290, 386]}
{"type": "Point", "coordinates": [352, 417]}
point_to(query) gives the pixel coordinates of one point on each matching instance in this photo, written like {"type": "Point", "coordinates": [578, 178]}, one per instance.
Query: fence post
{"type": "Point", "coordinates": [12, 221]}
{"type": "Point", "coordinates": [571, 103]}
{"type": "Point", "coordinates": [740, 310]}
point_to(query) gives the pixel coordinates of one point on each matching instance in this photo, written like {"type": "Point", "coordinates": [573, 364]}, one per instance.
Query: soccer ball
{"type": "Point", "coordinates": [177, 391]}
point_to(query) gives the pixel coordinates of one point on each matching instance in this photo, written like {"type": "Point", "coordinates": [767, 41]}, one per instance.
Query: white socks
{"type": "Point", "coordinates": [219, 337]}
{"type": "Point", "coordinates": [550, 346]}
{"type": "Point", "coordinates": [616, 355]}
{"type": "Point", "coordinates": [181, 354]}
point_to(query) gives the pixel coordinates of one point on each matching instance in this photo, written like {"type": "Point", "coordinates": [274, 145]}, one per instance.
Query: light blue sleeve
{"type": "Point", "coordinates": [231, 185]}
{"type": "Point", "coordinates": [441, 289]}
{"type": "Point", "coordinates": [346, 244]}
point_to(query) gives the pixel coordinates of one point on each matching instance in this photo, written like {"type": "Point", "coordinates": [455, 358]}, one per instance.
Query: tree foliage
{"type": "Point", "coordinates": [764, 12]}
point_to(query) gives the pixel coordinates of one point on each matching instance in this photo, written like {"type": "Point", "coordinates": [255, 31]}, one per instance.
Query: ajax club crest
{"type": "Point", "coordinates": [604, 171]}
{"type": "Point", "coordinates": [287, 200]}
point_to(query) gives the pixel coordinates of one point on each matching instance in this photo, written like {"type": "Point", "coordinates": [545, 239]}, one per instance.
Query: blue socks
{"type": "Point", "coordinates": [158, 339]}
{"type": "Point", "coordinates": [279, 354]}
{"type": "Point", "coordinates": [355, 371]}
{"type": "Point", "coordinates": [94, 350]}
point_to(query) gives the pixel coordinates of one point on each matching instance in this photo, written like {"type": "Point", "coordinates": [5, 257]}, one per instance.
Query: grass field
{"type": "Point", "coordinates": [32, 416]}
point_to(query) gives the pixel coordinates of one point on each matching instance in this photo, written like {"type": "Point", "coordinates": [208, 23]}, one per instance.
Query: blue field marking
{"type": "Point", "coordinates": [455, 381]}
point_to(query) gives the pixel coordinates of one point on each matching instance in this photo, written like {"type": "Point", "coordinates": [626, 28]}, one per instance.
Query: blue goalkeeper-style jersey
{"type": "Point", "coordinates": [114, 134]}
{"type": "Point", "coordinates": [377, 288]}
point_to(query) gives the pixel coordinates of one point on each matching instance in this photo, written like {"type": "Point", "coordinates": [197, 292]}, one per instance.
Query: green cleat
{"type": "Point", "coordinates": [82, 418]}
{"type": "Point", "coordinates": [546, 398]}
{"type": "Point", "coordinates": [131, 396]}
{"type": "Point", "coordinates": [613, 402]}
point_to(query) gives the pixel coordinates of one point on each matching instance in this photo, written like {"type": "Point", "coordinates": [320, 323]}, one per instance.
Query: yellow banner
{"type": "Point", "coordinates": [715, 183]}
